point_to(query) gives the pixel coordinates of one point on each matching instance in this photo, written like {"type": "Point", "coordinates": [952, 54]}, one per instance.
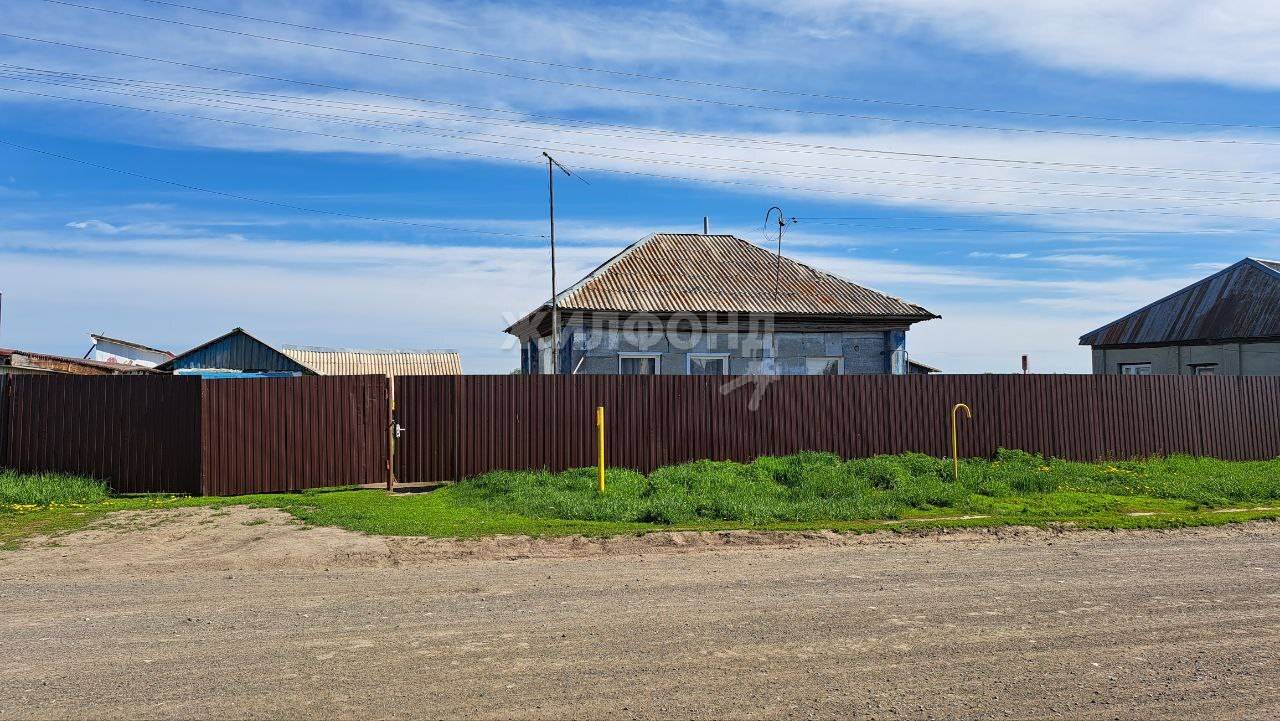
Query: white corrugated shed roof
{"type": "Point", "coordinates": [350, 362]}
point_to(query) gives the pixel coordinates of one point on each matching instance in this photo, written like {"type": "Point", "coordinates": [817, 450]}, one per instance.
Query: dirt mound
{"type": "Point", "coordinates": [240, 538]}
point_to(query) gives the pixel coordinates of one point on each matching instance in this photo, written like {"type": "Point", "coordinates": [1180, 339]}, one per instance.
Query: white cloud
{"type": "Point", "coordinates": [1225, 41]}
{"type": "Point", "coordinates": [97, 226]}
{"type": "Point", "coordinates": [1003, 256]}
{"type": "Point", "coordinates": [1097, 260]}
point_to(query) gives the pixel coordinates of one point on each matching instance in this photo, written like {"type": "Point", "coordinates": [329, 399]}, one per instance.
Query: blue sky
{"type": "Point", "coordinates": [1038, 225]}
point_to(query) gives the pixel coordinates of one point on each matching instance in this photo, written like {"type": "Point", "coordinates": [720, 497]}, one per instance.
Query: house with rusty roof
{"type": "Point", "coordinates": [239, 354]}
{"type": "Point", "coordinates": [1226, 324]}
{"type": "Point", "coordinates": [21, 362]}
{"type": "Point", "coordinates": [688, 304]}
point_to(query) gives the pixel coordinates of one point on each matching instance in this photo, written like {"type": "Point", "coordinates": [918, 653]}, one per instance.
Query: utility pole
{"type": "Point", "coordinates": [552, 164]}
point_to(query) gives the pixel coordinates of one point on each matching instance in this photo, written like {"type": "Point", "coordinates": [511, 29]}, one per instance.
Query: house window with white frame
{"type": "Point", "coordinates": [708, 364]}
{"type": "Point", "coordinates": [1204, 369]}
{"type": "Point", "coordinates": [1135, 369]}
{"type": "Point", "coordinates": [829, 366]}
{"type": "Point", "coordinates": [639, 364]}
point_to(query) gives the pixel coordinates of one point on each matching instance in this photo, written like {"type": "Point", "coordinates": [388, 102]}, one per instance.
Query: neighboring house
{"type": "Point", "coordinates": [114, 350]}
{"type": "Point", "coordinates": [677, 304]}
{"type": "Point", "coordinates": [1226, 324]}
{"type": "Point", "coordinates": [15, 362]}
{"type": "Point", "coordinates": [238, 354]}
{"type": "Point", "coordinates": [916, 368]}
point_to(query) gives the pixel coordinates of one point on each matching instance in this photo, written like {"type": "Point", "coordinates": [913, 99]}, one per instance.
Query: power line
{"type": "Point", "coordinates": [1058, 166]}
{"type": "Point", "coordinates": [667, 96]}
{"type": "Point", "coordinates": [473, 135]}
{"type": "Point", "coordinates": [670, 136]}
{"type": "Point", "coordinates": [1218, 201]}
{"type": "Point", "coordinates": [705, 83]}
{"type": "Point", "coordinates": [252, 199]}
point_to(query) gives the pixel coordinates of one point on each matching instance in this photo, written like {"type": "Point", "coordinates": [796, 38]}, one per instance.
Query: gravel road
{"type": "Point", "coordinates": [247, 614]}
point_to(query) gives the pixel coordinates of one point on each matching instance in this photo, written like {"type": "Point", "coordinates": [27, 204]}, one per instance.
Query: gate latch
{"type": "Point", "coordinates": [399, 429]}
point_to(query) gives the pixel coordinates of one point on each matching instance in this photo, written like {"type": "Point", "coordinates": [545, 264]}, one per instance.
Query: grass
{"type": "Point", "coordinates": [799, 492]}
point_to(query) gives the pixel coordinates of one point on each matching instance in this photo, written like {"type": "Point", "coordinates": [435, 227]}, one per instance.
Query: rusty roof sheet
{"type": "Point", "coordinates": [347, 361]}
{"type": "Point", "coordinates": [1238, 302]}
{"type": "Point", "coordinates": [689, 273]}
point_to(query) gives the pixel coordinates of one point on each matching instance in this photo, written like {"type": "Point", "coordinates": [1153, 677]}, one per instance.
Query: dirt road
{"type": "Point", "coordinates": [247, 614]}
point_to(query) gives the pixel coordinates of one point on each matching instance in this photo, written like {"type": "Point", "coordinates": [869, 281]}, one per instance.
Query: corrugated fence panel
{"type": "Point", "coordinates": [288, 434]}
{"type": "Point", "coordinates": [548, 422]}
{"type": "Point", "coordinates": [139, 434]}
{"type": "Point", "coordinates": [233, 436]}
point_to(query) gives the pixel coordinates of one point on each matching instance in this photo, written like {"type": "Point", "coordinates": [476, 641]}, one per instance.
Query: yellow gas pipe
{"type": "Point", "coordinates": [600, 446]}
{"type": "Point", "coordinates": [955, 447]}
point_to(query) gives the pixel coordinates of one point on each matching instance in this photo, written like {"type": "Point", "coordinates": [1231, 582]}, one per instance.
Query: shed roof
{"type": "Point", "coordinates": [65, 364]}
{"type": "Point", "coordinates": [350, 361]}
{"type": "Point", "coordinates": [239, 350]}
{"type": "Point", "coordinates": [98, 337]}
{"type": "Point", "coordinates": [1239, 302]}
{"type": "Point", "coordinates": [692, 273]}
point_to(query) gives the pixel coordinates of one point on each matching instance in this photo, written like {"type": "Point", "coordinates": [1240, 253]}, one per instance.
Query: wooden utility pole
{"type": "Point", "coordinates": [552, 164]}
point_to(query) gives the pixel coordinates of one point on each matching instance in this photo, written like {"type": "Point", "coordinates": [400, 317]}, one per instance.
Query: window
{"type": "Point", "coordinates": [1135, 369]}
{"type": "Point", "coordinates": [1204, 369]}
{"type": "Point", "coordinates": [708, 364]}
{"type": "Point", "coordinates": [824, 366]}
{"type": "Point", "coordinates": [638, 365]}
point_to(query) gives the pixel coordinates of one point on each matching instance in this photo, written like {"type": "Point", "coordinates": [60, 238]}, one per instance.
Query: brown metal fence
{"type": "Point", "coordinates": [139, 434]}
{"type": "Point", "coordinates": [289, 434]}
{"type": "Point", "coordinates": [173, 434]}
{"type": "Point", "coordinates": [461, 426]}
{"type": "Point", "coordinates": [226, 436]}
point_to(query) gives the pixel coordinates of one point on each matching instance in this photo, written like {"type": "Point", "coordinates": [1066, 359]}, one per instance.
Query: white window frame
{"type": "Point", "coordinates": [689, 358]}
{"type": "Point", "coordinates": [1197, 367]}
{"type": "Point", "coordinates": [1123, 366]}
{"type": "Point", "coordinates": [825, 358]}
{"type": "Point", "coordinates": [657, 361]}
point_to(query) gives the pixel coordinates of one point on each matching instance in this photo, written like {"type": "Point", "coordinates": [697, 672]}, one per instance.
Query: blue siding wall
{"type": "Point", "coordinates": [237, 352]}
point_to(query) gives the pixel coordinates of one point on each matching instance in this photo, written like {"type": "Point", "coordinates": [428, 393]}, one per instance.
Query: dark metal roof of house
{"type": "Point", "coordinates": [1236, 303]}
{"type": "Point", "coordinates": [691, 273]}
{"type": "Point", "coordinates": [236, 349]}
{"type": "Point", "coordinates": [239, 350]}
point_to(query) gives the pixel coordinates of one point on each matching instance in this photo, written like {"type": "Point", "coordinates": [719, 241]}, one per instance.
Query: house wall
{"type": "Point", "coordinates": [597, 350]}
{"type": "Point", "coordinates": [1232, 359]}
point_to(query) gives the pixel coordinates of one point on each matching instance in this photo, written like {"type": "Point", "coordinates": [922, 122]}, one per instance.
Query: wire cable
{"type": "Point", "coordinates": [704, 83]}
{"type": "Point", "coordinates": [667, 96]}
{"type": "Point", "coordinates": [898, 154]}
{"type": "Point", "coordinates": [252, 199]}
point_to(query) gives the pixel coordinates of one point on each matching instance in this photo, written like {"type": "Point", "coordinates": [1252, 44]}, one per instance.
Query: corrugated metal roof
{"type": "Point", "coordinates": [689, 273]}
{"type": "Point", "coordinates": [1238, 302]}
{"type": "Point", "coordinates": [129, 343]}
{"type": "Point", "coordinates": [350, 362]}
{"type": "Point", "coordinates": [236, 349]}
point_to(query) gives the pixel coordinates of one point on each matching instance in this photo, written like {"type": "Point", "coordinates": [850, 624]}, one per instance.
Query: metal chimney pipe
{"type": "Point", "coordinates": [706, 226]}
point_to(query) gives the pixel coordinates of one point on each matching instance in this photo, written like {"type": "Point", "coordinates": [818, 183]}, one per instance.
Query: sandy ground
{"type": "Point", "coordinates": [246, 613]}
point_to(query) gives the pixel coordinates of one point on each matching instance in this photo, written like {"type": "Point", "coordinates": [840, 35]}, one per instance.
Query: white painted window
{"type": "Point", "coordinates": [639, 364]}
{"type": "Point", "coordinates": [1205, 369]}
{"type": "Point", "coordinates": [1135, 369]}
{"type": "Point", "coordinates": [824, 366]}
{"type": "Point", "coordinates": [708, 364]}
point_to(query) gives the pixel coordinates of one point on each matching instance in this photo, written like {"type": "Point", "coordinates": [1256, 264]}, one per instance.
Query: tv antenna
{"type": "Point", "coordinates": [782, 221]}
